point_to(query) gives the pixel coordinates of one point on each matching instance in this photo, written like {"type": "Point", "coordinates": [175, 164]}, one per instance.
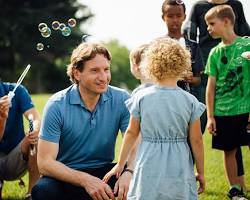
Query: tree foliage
{"type": "Point", "coordinates": [19, 36]}
{"type": "Point", "coordinates": [120, 67]}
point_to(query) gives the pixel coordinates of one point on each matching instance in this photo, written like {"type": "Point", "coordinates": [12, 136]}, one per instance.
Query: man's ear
{"type": "Point", "coordinates": [76, 74]}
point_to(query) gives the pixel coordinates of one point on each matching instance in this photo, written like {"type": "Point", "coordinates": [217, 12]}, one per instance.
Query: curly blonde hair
{"type": "Point", "coordinates": [165, 58]}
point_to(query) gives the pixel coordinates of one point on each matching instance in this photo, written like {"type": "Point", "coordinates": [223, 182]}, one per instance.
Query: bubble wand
{"type": "Point", "coordinates": [31, 128]}
{"type": "Point", "coordinates": [11, 94]}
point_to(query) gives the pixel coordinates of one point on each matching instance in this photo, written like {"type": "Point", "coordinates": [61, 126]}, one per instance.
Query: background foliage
{"type": "Point", "coordinates": [19, 35]}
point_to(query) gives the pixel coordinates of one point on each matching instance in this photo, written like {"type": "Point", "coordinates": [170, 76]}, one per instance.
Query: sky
{"type": "Point", "coordinates": [132, 22]}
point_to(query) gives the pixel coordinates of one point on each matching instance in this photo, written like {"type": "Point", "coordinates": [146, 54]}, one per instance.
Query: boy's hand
{"type": "Point", "coordinates": [211, 125]}
{"type": "Point", "coordinates": [116, 170]}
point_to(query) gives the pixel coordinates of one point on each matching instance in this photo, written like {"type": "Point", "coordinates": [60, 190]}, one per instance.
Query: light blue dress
{"type": "Point", "coordinates": [164, 168]}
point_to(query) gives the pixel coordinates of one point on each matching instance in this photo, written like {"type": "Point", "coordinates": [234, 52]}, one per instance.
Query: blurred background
{"type": "Point", "coordinates": [120, 25]}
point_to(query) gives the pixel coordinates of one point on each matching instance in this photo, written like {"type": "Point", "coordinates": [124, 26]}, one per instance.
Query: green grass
{"type": "Point", "coordinates": [216, 183]}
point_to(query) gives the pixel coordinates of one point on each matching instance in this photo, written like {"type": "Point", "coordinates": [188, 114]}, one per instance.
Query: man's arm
{"type": "Point", "coordinates": [49, 166]}
{"type": "Point", "coordinates": [4, 110]}
{"type": "Point", "coordinates": [210, 94]}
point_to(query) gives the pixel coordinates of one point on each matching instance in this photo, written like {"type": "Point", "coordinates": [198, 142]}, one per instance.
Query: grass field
{"type": "Point", "coordinates": [214, 171]}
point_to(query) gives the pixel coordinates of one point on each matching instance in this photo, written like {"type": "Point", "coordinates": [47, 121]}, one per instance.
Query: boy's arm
{"type": "Point", "coordinates": [210, 94]}
{"type": "Point", "coordinates": [195, 137]}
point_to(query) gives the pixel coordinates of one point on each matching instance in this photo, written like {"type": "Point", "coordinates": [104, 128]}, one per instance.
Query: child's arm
{"type": "Point", "coordinates": [128, 142]}
{"type": "Point", "coordinates": [4, 110]}
{"type": "Point", "coordinates": [195, 137]}
{"type": "Point", "coordinates": [210, 94]}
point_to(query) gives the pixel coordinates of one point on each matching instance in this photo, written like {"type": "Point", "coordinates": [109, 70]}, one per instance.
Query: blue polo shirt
{"type": "Point", "coordinates": [86, 139]}
{"type": "Point", "coordinates": [14, 130]}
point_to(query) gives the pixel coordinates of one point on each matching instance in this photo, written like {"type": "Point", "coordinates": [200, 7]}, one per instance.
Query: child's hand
{"type": "Point", "coordinates": [116, 170]}
{"type": "Point", "coordinates": [211, 125]}
{"type": "Point", "coordinates": [200, 178]}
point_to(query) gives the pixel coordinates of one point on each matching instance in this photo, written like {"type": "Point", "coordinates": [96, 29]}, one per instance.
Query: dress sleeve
{"type": "Point", "coordinates": [197, 109]}
{"type": "Point", "coordinates": [133, 105]}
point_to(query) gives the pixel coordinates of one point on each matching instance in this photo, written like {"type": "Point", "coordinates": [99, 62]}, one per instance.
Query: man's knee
{"type": "Point", "coordinates": [46, 188]}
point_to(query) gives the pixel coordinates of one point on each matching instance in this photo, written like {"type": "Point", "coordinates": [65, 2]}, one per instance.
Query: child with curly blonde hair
{"type": "Point", "coordinates": [164, 115]}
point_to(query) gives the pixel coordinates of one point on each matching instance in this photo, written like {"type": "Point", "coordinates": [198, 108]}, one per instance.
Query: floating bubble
{"type": "Point", "coordinates": [72, 22]}
{"type": "Point", "coordinates": [47, 33]}
{"type": "Point", "coordinates": [39, 46]}
{"type": "Point", "coordinates": [55, 25]}
{"type": "Point", "coordinates": [84, 38]}
{"type": "Point", "coordinates": [66, 31]}
{"type": "Point", "coordinates": [179, 2]}
{"type": "Point", "coordinates": [42, 27]}
{"type": "Point", "coordinates": [61, 26]}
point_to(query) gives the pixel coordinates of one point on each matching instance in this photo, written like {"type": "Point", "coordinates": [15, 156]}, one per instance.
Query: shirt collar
{"type": "Point", "coordinates": [75, 97]}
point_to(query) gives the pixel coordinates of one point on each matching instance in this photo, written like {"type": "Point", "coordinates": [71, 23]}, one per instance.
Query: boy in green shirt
{"type": "Point", "coordinates": [228, 91]}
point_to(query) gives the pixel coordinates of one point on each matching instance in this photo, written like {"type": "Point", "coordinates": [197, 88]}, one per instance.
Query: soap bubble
{"type": "Point", "coordinates": [72, 22]}
{"type": "Point", "coordinates": [179, 2]}
{"type": "Point", "coordinates": [55, 25]}
{"type": "Point", "coordinates": [84, 38]}
{"type": "Point", "coordinates": [61, 26]}
{"type": "Point", "coordinates": [66, 31]}
{"type": "Point", "coordinates": [47, 33]}
{"type": "Point", "coordinates": [42, 27]}
{"type": "Point", "coordinates": [39, 46]}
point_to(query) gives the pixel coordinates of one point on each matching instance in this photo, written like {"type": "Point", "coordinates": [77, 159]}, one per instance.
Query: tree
{"type": "Point", "coordinates": [19, 36]}
{"type": "Point", "coordinates": [120, 67]}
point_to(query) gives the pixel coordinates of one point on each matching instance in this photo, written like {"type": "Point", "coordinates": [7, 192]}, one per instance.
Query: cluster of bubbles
{"type": "Point", "coordinates": [45, 30]}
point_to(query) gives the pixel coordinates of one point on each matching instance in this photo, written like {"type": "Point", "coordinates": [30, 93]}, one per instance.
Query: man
{"type": "Point", "coordinates": [15, 157]}
{"type": "Point", "coordinates": [79, 130]}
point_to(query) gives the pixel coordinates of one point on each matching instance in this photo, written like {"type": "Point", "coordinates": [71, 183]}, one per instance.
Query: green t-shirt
{"type": "Point", "coordinates": [232, 72]}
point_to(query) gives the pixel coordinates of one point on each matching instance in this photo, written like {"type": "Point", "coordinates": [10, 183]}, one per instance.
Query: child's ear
{"type": "Point", "coordinates": [162, 16]}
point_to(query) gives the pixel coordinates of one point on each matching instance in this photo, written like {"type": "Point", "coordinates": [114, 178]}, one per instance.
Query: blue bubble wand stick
{"type": "Point", "coordinates": [11, 94]}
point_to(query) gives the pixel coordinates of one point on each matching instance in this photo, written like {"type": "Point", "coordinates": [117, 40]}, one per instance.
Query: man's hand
{"type": "Point", "coordinates": [122, 186]}
{"type": "Point", "coordinates": [97, 189]}
{"type": "Point", "coordinates": [4, 107]}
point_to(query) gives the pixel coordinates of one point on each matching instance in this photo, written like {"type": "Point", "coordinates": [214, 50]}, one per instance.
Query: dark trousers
{"type": "Point", "coordinates": [48, 188]}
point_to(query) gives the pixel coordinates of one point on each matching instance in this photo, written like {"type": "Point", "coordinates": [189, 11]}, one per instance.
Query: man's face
{"type": "Point", "coordinates": [174, 16]}
{"type": "Point", "coordinates": [95, 77]}
{"type": "Point", "coordinates": [215, 27]}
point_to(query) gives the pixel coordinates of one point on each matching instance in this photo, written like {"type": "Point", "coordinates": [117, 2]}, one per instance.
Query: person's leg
{"type": "Point", "coordinates": [240, 167]}
{"type": "Point", "coordinates": [49, 188]}
{"type": "Point", "coordinates": [32, 165]}
{"type": "Point", "coordinates": [231, 167]}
